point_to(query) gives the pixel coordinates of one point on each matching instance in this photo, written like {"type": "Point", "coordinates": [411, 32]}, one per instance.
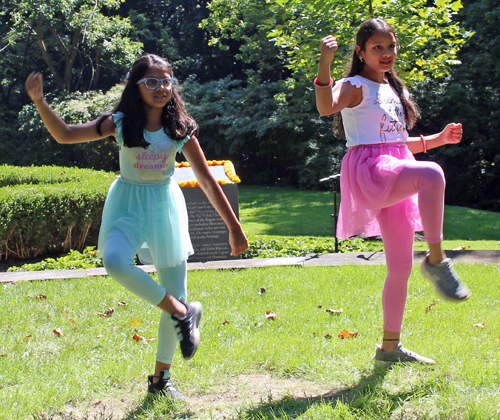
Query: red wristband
{"type": "Point", "coordinates": [321, 84]}
{"type": "Point", "coordinates": [424, 144]}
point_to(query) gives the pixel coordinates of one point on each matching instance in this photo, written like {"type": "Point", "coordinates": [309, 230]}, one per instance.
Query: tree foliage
{"type": "Point", "coordinates": [69, 30]}
{"type": "Point", "coordinates": [470, 94]}
{"type": "Point", "coordinates": [429, 38]}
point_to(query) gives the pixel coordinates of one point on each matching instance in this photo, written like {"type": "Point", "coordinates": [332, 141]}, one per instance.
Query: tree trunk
{"type": "Point", "coordinates": [45, 54]}
{"type": "Point", "coordinates": [98, 54]}
{"type": "Point", "coordinates": [70, 59]}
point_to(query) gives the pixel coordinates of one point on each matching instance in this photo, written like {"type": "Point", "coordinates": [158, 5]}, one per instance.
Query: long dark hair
{"type": "Point", "coordinates": [365, 32]}
{"type": "Point", "coordinates": [176, 121]}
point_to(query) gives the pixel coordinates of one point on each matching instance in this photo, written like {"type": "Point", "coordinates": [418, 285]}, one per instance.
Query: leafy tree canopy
{"type": "Point", "coordinates": [428, 34]}
{"type": "Point", "coordinates": [70, 30]}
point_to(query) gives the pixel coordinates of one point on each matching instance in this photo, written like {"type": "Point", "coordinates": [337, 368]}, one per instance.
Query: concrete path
{"type": "Point", "coordinates": [466, 256]}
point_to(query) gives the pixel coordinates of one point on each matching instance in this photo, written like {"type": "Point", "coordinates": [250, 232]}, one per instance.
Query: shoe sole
{"type": "Point", "coordinates": [198, 310]}
{"type": "Point", "coordinates": [438, 290]}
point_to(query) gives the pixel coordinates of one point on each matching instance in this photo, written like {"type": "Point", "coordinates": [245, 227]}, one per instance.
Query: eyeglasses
{"type": "Point", "coordinates": [153, 83]}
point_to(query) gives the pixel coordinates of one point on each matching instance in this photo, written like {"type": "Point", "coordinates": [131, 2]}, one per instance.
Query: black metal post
{"type": "Point", "coordinates": [333, 179]}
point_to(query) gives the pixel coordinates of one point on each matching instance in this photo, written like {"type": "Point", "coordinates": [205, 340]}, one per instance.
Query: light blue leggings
{"type": "Point", "coordinates": [118, 260]}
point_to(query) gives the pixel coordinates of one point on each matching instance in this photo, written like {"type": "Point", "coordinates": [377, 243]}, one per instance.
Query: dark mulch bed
{"type": "Point", "coordinates": [6, 264]}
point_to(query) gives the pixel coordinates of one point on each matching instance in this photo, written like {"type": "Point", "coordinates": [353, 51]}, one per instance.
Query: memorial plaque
{"type": "Point", "coordinates": [209, 234]}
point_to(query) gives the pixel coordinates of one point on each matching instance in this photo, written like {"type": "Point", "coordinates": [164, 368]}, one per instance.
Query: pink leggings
{"type": "Point", "coordinates": [426, 179]}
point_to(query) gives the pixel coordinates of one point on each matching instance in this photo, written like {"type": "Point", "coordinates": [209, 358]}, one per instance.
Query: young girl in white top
{"type": "Point", "coordinates": [384, 190]}
{"type": "Point", "coordinates": [151, 126]}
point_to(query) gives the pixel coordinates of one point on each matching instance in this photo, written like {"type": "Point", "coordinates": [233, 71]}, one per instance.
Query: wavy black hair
{"type": "Point", "coordinates": [175, 119]}
{"type": "Point", "coordinates": [365, 32]}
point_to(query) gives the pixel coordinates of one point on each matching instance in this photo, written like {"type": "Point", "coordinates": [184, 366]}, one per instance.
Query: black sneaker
{"type": "Point", "coordinates": [164, 386]}
{"type": "Point", "coordinates": [187, 329]}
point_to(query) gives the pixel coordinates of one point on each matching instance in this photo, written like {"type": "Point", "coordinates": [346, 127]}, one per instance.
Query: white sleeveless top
{"type": "Point", "coordinates": [379, 118]}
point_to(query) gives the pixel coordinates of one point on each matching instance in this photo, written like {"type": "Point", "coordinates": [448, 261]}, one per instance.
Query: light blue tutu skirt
{"type": "Point", "coordinates": [148, 212]}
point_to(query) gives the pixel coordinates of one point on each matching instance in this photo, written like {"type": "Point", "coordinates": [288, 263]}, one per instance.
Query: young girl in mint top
{"type": "Point", "coordinates": [384, 190]}
{"type": "Point", "coordinates": [144, 205]}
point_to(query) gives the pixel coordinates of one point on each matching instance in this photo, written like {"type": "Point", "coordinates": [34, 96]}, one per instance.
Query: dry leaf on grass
{"type": "Point", "coordinates": [328, 336]}
{"type": "Point", "coordinates": [346, 334]}
{"type": "Point", "coordinates": [334, 311]}
{"type": "Point", "coordinates": [40, 297]}
{"type": "Point", "coordinates": [138, 337]}
{"type": "Point", "coordinates": [430, 307]}
{"type": "Point", "coordinates": [479, 325]}
{"type": "Point", "coordinates": [136, 322]}
{"type": "Point", "coordinates": [58, 332]}
{"type": "Point", "coordinates": [106, 313]}
{"type": "Point", "coordinates": [270, 315]}
{"type": "Point", "coordinates": [122, 303]}
{"type": "Point", "coordinates": [460, 248]}
{"type": "Point", "coordinates": [72, 321]}
{"type": "Point", "coordinates": [225, 322]}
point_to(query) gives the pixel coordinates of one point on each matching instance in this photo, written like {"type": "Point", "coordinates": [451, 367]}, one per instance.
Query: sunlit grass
{"type": "Point", "coordinates": [96, 358]}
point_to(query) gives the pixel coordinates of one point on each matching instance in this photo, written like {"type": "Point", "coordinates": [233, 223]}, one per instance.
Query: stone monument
{"type": "Point", "coordinates": [209, 234]}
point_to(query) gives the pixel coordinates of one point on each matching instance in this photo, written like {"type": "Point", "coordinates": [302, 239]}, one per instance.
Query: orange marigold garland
{"type": "Point", "coordinates": [228, 168]}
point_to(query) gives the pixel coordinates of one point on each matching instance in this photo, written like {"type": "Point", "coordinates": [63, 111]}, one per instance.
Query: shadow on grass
{"type": "Point", "coordinates": [367, 396]}
{"type": "Point", "coordinates": [158, 407]}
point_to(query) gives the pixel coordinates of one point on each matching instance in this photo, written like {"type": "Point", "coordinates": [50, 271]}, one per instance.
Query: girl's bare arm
{"type": "Point", "coordinates": [62, 132]}
{"type": "Point", "coordinates": [196, 158]}
{"type": "Point", "coordinates": [328, 100]}
{"type": "Point", "coordinates": [452, 134]}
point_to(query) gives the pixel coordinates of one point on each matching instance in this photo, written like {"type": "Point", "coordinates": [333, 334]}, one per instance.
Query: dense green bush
{"type": "Point", "coordinates": [74, 108]}
{"type": "Point", "coordinates": [49, 209]}
{"type": "Point", "coordinates": [271, 130]}
{"type": "Point", "coordinates": [271, 247]}
{"type": "Point", "coordinates": [75, 260]}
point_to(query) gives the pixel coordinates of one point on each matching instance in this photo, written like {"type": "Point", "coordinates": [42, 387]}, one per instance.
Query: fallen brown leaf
{"type": "Point", "coordinates": [334, 311]}
{"type": "Point", "coordinates": [138, 337]}
{"type": "Point", "coordinates": [479, 325]}
{"type": "Point", "coordinates": [346, 334]}
{"type": "Point", "coordinates": [460, 248]}
{"type": "Point", "coordinates": [136, 322]}
{"type": "Point", "coordinates": [40, 297]}
{"type": "Point", "coordinates": [122, 303]}
{"type": "Point", "coordinates": [270, 315]}
{"type": "Point", "coordinates": [225, 322]}
{"type": "Point", "coordinates": [328, 336]}
{"type": "Point", "coordinates": [58, 332]}
{"type": "Point", "coordinates": [72, 321]}
{"type": "Point", "coordinates": [430, 307]}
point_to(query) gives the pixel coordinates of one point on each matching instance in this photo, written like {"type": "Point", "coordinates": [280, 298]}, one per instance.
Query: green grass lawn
{"type": "Point", "coordinates": [96, 361]}
{"type": "Point", "coordinates": [278, 211]}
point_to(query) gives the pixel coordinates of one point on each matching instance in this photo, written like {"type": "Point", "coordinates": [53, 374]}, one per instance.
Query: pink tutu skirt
{"type": "Point", "coordinates": [367, 177]}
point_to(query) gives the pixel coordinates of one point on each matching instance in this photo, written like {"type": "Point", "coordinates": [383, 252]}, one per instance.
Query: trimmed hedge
{"type": "Point", "coordinates": [50, 209]}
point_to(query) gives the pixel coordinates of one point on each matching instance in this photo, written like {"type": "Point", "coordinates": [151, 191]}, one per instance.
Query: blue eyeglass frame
{"type": "Point", "coordinates": [172, 80]}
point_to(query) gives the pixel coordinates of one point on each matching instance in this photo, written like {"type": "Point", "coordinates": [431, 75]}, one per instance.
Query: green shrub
{"type": "Point", "coordinates": [265, 247]}
{"type": "Point", "coordinates": [49, 209]}
{"type": "Point", "coordinates": [75, 260]}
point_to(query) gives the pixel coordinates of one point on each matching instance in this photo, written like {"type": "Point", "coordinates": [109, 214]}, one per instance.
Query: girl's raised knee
{"type": "Point", "coordinates": [114, 261]}
{"type": "Point", "coordinates": [435, 175]}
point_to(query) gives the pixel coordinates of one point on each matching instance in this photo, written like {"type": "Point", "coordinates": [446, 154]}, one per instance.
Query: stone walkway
{"type": "Point", "coordinates": [466, 256]}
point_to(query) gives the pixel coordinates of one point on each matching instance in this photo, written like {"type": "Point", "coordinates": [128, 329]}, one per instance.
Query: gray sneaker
{"type": "Point", "coordinates": [445, 280]}
{"type": "Point", "coordinates": [399, 354]}
{"type": "Point", "coordinates": [164, 386]}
